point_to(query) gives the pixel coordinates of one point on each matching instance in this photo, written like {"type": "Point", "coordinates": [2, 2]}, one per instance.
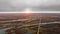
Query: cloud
{"type": "Point", "coordinates": [19, 5]}
{"type": "Point", "coordinates": [11, 5]}
{"type": "Point", "coordinates": [48, 5]}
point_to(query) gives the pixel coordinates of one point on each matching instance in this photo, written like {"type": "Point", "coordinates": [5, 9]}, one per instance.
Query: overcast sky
{"type": "Point", "coordinates": [35, 5]}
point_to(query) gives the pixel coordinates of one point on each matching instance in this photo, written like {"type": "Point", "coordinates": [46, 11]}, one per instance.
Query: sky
{"type": "Point", "coordinates": [34, 5]}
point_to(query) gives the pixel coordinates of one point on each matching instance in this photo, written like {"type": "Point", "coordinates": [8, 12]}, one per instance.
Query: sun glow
{"type": "Point", "coordinates": [27, 11]}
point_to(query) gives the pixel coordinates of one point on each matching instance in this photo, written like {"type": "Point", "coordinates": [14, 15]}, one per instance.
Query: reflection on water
{"type": "Point", "coordinates": [2, 32]}
{"type": "Point", "coordinates": [22, 30]}
{"type": "Point", "coordinates": [44, 29]}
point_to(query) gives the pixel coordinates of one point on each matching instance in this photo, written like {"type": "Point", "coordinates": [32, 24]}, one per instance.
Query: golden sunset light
{"type": "Point", "coordinates": [27, 10]}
